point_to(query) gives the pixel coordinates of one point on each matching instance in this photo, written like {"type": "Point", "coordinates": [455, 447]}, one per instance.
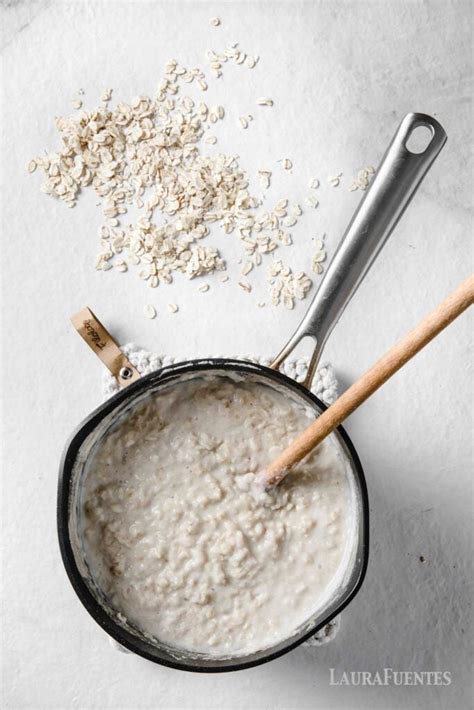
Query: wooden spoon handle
{"type": "Point", "coordinates": [393, 360]}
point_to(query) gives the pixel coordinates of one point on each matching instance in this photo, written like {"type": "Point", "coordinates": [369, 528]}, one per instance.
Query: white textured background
{"type": "Point", "coordinates": [342, 75]}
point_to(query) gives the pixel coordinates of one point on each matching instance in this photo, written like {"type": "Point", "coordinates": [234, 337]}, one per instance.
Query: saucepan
{"type": "Point", "coordinates": [396, 180]}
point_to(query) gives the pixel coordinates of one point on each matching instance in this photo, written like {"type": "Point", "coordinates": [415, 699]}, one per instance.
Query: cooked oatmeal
{"type": "Point", "coordinates": [178, 543]}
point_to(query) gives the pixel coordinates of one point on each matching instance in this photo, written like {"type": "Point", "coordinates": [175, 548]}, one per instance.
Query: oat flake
{"type": "Point", "coordinates": [150, 311]}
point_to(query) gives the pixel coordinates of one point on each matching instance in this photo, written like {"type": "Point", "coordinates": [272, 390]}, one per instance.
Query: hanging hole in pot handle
{"type": "Point", "coordinates": [396, 180]}
{"type": "Point", "coordinates": [105, 347]}
{"type": "Point", "coordinates": [419, 138]}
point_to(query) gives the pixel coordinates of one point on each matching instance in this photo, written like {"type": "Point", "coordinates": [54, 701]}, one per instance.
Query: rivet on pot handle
{"type": "Point", "coordinates": [396, 181]}
{"type": "Point", "coordinates": [101, 342]}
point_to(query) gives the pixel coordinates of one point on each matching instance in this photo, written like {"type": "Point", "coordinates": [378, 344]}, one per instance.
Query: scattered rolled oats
{"type": "Point", "coordinates": [215, 21]}
{"type": "Point", "coordinates": [245, 286]}
{"type": "Point", "coordinates": [76, 104]}
{"type": "Point", "coordinates": [319, 256]}
{"type": "Point", "coordinates": [150, 311]}
{"type": "Point", "coordinates": [231, 53]}
{"type": "Point", "coordinates": [264, 178]}
{"type": "Point", "coordinates": [173, 308]}
{"type": "Point", "coordinates": [287, 286]}
{"type": "Point", "coordinates": [146, 153]}
{"type": "Point", "coordinates": [285, 238]}
{"type": "Point", "coordinates": [313, 184]}
{"type": "Point", "coordinates": [106, 95]}
{"type": "Point", "coordinates": [312, 201]}
{"type": "Point", "coordinates": [335, 180]}
{"type": "Point", "coordinates": [362, 181]}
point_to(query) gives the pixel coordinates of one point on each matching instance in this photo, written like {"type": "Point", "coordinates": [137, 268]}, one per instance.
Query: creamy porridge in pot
{"type": "Point", "coordinates": [178, 543]}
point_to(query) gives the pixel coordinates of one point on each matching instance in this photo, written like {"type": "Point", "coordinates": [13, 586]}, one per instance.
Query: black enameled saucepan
{"type": "Point", "coordinates": [397, 178]}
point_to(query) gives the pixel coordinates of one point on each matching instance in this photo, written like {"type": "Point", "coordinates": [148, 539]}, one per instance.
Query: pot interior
{"type": "Point", "coordinates": [75, 468]}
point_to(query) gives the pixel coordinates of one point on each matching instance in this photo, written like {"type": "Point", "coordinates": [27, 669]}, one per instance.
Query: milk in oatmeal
{"type": "Point", "coordinates": [178, 543]}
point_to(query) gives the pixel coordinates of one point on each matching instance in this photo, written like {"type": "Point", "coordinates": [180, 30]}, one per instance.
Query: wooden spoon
{"type": "Point", "coordinates": [388, 365]}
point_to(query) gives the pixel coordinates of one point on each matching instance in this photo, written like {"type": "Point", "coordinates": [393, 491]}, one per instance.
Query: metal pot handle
{"type": "Point", "coordinates": [396, 181]}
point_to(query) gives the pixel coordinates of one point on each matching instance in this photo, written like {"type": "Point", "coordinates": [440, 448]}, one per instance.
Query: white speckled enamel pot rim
{"type": "Point", "coordinates": [398, 176]}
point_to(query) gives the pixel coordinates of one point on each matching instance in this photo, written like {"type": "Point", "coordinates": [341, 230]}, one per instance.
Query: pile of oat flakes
{"type": "Point", "coordinates": [146, 154]}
